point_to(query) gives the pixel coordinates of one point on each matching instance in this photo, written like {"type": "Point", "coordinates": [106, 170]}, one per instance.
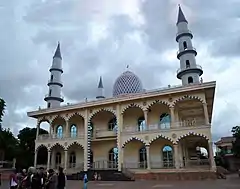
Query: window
{"type": "Point", "coordinates": [48, 104]}
{"type": "Point", "coordinates": [187, 64]}
{"type": "Point", "coordinates": [73, 131]}
{"type": "Point", "coordinates": [59, 131]}
{"type": "Point", "coordinates": [143, 157]}
{"type": "Point", "coordinates": [185, 45]}
{"type": "Point", "coordinates": [112, 124]}
{"type": "Point", "coordinates": [113, 157]}
{"type": "Point", "coordinates": [90, 127]}
{"type": "Point", "coordinates": [50, 92]}
{"type": "Point", "coordinates": [165, 121]}
{"type": "Point", "coordinates": [58, 158]}
{"type": "Point", "coordinates": [51, 77]}
{"type": "Point", "coordinates": [142, 124]}
{"type": "Point", "coordinates": [167, 154]}
{"type": "Point", "coordinates": [190, 80]}
{"type": "Point", "coordinates": [72, 160]}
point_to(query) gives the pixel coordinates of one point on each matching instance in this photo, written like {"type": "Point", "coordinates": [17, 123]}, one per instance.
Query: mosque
{"type": "Point", "coordinates": [144, 132]}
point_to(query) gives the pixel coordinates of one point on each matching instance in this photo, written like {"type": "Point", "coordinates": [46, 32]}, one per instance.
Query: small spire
{"type": "Point", "coordinates": [58, 52]}
{"type": "Point", "coordinates": [181, 17]}
{"type": "Point", "coordinates": [100, 84]}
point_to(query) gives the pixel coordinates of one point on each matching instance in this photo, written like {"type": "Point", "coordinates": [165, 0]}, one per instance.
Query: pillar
{"type": "Point", "coordinates": [172, 117]}
{"type": "Point", "coordinates": [65, 159]}
{"type": "Point", "coordinates": [176, 156]}
{"type": "Point", "coordinates": [119, 142]}
{"type": "Point", "coordinates": [48, 159]}
{"type": "Point", "coordinates": [205, 109]}
{"type": "Point", "coordinates": [146, 117]}
{"type": "Point", "coordinates": [35, 158]}
{"type": "Point", "coordinates": [38, 128]}
{"type": "Point", "coordinates": [211, 156]}
{"type": "Point", "coordinates": [67, 129]}
{"type": "Point", "coordinates": [148, 158]}
{"type": "Point", "coordinates": [86, 141]}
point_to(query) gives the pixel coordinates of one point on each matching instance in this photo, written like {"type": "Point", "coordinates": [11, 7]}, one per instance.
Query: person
{"type": "Point", "coordinates": [13, 180]}
{"type": "Point", "coordinates": [95, 176]}
{"type": "Point", "coordinates": [36, 180]}
{"type": "Point", "coordinates": [52, 181]}
{"type": "Point", "coordinates": [61, 179]}
{"type": "Point", "coordinates": [85, 181]}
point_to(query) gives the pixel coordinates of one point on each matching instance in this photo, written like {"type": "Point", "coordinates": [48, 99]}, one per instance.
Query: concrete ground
{"type": "Point", "coordinates": [232, 182]}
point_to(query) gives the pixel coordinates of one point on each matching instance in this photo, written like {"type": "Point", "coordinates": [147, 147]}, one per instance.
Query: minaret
{"type": "Point", "coordinates": [54, 98]}
{"type": "Point", "coordinates": [189, 71]}
{"type": "Point", "coordinates": [100, 89]}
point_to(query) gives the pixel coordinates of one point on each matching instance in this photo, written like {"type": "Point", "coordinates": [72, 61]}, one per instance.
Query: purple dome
{"type": "Point", "coordinates": [127, 83]}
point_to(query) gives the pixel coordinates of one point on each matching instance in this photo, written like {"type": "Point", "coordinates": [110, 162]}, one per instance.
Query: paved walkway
{"type": "Point", "coordinates": [233, 182]}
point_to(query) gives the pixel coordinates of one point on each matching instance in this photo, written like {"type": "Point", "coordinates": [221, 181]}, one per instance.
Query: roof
{"type": "Point", "coordinates": [181, 17]}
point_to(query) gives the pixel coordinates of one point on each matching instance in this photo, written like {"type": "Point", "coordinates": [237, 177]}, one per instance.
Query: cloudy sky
{"type": "Point", "coordinates": [98, 36]}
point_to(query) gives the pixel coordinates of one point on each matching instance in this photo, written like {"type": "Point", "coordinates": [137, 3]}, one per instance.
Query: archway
{"type": "Point", "coordinates": [58, 156]}
{"type": "Point", "coordinates": [76, 123]}
{"type": "Point", "coordinates": [167, 153]}
{"type": "Point", "coordinates": [42, 155]}
{"type": "Point", "coordinates": [58, 125]}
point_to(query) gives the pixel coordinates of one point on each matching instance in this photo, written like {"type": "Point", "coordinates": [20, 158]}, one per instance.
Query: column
{"type": "Point", "coordinates": [146, 117]}
{"type": "Point", "coordinates": [211, 156]}
{"type": "Point", "coordinates": [86, 141]}
{"type": "Point", "coordinates": [38, 128]}
{"type": "Point", "coordinates": [67, 129]}
{"type": "Point", "coordinates": [35, 158]}
{"type": "Point", "coordinates": [148, 158]}
{"type": "Point", "coordinates": [65, 159]}
{"type": "Point", "coordinates": [172, 117]}
{"type": "Point", "coordinates": [176, 156]}
{"type": "Point", "coordinates": [119, 146]}
{"type": "Point", "coordinates": [205, 109]}
{"type": "Point", "coordinates": [48, 159]}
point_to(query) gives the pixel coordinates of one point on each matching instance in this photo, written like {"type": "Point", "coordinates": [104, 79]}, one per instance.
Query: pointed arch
{"type": "Point", "coordinates": [58, 117]}
{"type": "Point", "coordinates": [191, 134]}
{"type": "Point", "coordinates": [44, 119]}
{"type": "Point", "coordinates": [75, 143]}
{"type": "Point", "coordinates": [161, 136]}
{"type": "Point", "coordinates": [57, 144]}
{"type": "Point", "coordinates": [132, 105]}
{"type": "Point", "coordinates": [41, 146]}
{"type": "Point", "coordinates": [76, 114]}
{"type": "Point", "coordinates": [133, 138]}
{"type": "Point", "coordinates": [159, 102]}
{"type": "Point", "coordinates": [101, 110]}
{"type": "Point", "coordinates": [190, 97]}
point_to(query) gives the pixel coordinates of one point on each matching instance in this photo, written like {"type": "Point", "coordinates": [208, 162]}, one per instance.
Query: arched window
{"type": "Point", "coordinates": [143, 157]}
{"type": "Point", "coordinates": [113, 157]}
{"type": "Point", "coordinates": [72, 160]}
{"type": "Point", "coordinates": [184, 45]}
{"type": "Point", "coordinates": [58, 159]}
{"type": "Point", "coordinates": [167, 154]}
{"type": "Point", "coordinates": [51, 77]}
{"type": "Point", "coordinates": [141, 124]}
{"type": "Point", "coordinates": [112, 123]}
{"type": "Point", "coordinates": [187, 64]}
{"type": "Point", "coordinates": [59, 131]}
{"type": "Point", "coordinates": [73, 131]}
{"type": "Point", "coordinates": [165, 121]}
{"type": "Point", "coordinates": [190, 80]}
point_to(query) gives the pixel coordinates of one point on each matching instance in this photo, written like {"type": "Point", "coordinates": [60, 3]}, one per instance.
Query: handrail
{"type": "Point", "coordinates": [188, 68]}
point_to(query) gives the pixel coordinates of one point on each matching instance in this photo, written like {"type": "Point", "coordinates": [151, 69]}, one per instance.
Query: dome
{"type": "Point", "coordinates": [127, 83]}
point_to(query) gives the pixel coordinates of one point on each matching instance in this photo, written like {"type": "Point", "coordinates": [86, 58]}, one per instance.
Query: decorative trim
{"type": "Point", "coordinates": [188, 97]}
{"type": "Point", "coordinates": [74, 114]}
{"type": "Point", "coordinates": [58, 116]}
{"type": "Point", "coordinates": [158, 102]}
{"type": "Point", "coordinates": [191, 134]}
{"type": "Point", "coordinates": [100, 110]}
{"type": "Point", "coordinates": [57, 144]}
{"type": "Point", "coordinates": [131, 138]}
{"type": "Point", "coordinates": [89, 145]}
{"type": "Point", "coordinates": [74, 143]}
{"type": "Point", "coordinates": [160, 136]}
{"type": "Point", "coordinates": [131, 106]}
{"type": "Point", "coordinates": [41, 146]}
{"type": "Point", "coordinates": [43, 119]}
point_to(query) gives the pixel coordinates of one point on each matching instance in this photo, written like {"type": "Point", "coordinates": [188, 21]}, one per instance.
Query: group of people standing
{"type": "Point", "coordinates": [38, 179]}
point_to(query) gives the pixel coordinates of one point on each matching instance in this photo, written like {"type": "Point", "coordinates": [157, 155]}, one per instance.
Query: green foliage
{"type": "Point", "coordinates": [2, 108]}
{"type": "Point", "coordinates": [236, 143]}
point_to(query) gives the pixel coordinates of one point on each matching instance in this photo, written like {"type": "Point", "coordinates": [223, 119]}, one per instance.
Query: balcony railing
{"type": "Point", "coordinates": [188, 68]}
{"type": "Point", "coordinates": [58, 137]}
{"type": "Point", "coordinates": [104, 133]}
{"type": "Point", "coordinates": [182, 32]}
{"type": "Point", "coordinates": [164, 126]}
{"type": "Point", "coordinates": [187, 49]}
{"type": "Point", "coordinates": [48, 95]}
{"type": "Point", "coordinates": [54, 81]}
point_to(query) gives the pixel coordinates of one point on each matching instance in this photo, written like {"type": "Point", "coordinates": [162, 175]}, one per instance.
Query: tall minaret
{"type": "Point", "coordinates": [100, 94]}
{"type": "Point", "coordinates": [54, 98]}
{"type": "Point", "coordinates": [189, 71]}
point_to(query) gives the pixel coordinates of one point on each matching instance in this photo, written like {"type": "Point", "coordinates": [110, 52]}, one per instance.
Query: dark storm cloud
{"type": "Point", "coordinates": [30, 31]}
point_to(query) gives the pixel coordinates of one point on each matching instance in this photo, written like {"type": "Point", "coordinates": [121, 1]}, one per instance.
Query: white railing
{"type": "Point", "coordinates": [185, 31]}
{"type": "Point", "coordinates": [58, 137]}
{"type": "Point", "coordinates": [187, 68]}
{"type": "Point", "coordinates": [187, 49]}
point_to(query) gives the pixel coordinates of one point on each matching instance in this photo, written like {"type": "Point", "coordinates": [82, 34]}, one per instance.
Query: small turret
{"type": "Point", "coordinates": [100, 89]}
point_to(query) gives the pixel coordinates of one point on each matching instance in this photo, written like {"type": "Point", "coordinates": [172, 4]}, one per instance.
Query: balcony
{"type": "Point", "coordinates": [164, 126]}
{"type": "Point", "coordinates": [99, 133]}
{"type": "Point", "coordinates": [187, 50]}
{"type": "Point", "coordinates": [184, 33]}
{"type": "Point", "coordinates": [198, 69]}
{"type": "Point", "coordinates": [54, 82]}
{"type": "Point", "coordinates": [55, 137]}
{"type": "Point", "coordinates": [49, 97]}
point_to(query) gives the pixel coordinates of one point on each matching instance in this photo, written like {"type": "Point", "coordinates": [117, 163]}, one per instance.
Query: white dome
{"type": "Point", "coordinates": [127, 83]}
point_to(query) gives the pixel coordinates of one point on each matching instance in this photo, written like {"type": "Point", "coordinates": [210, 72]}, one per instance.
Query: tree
{"type": "Point", "coordinates": [26, 139]}
{"type": "Point", "coordinates": [236, 143]}
{"type": "Point", "coordinates": [2, 108]}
